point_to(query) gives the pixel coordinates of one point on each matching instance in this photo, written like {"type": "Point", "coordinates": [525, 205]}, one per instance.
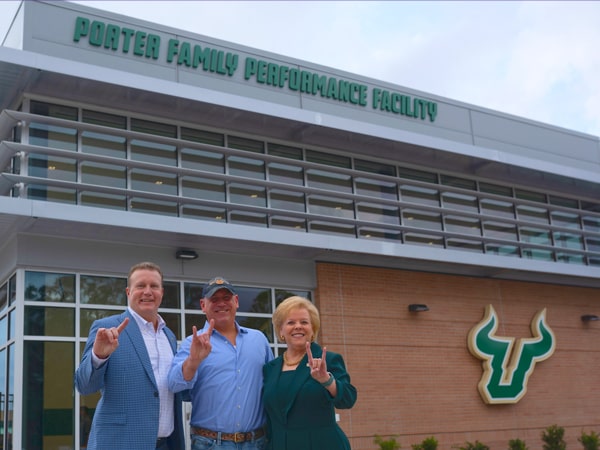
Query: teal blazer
{"type": "Point", "coordinates": [301, 412]}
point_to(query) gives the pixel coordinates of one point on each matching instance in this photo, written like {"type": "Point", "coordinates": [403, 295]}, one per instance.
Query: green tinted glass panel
{"type": "Point", "coordinates": [497, 208]}
{"type": "Point", "coordinates": [535, 236]}
{"type": "Point", "coordinates": [49, 287]}
{"type": "Point", "coordinates": [246, 194]}
{"type": "Point", "coordinates": [565, 219]}
{"type": "Point", "coordinates": [103, 290]}
{"type": "Point", "coordinates": [285, 151]}
{"type": "Point", "coordinates": [464, 245]}
{"type": "Point", "coordinates": [290, 223]}
{"type": "Point", "coordinates": [464, 225]}
{"type": "Point", "coordinates": [88, 316]}
{"type": "Point", "coordinates": [287, 200]}
{"type": "Point", "coordinates": [263, 324]}
{"type": "Point", "coordinates": [202, 136]}
{"type": "Point", "coordinates": [420, 195]}
{"type": "Point", "coordinates": [376, 188]}
{"type": "Point", "coordinates": [171, 295]}
{"type": "Point", "coordinates": [495, 189]}
{"type": "Point", "coordinates": [52, 194]}
{"type": "Point", "coordinates": [285, 173]}
{"type": "Point", "coordinates": [462, 183]}
{"type": "Point", "coordinates": [173, 322]}
{"type": "Point", "coordinates": [3, 297]}
{"type": "Point", "coordinates": [204, 213]}
{"type": "Point", "coordinates": [3, 332]}
{"type": "Point", "coordinates": [191, 320]}
{"type": "Point", "coordinates": [52, 167]}
{"type": "Point", "coordinates": [104, 175]}
{"type": "Point", "coordinates": [422, 219]}
{"type": "Point", "coordinates": [379, 234]}
{"type": "Point", "coordinates": [52, 136]}
{"type": "Point", "coordinates": [329, 181]}
{"type": "Point", "coordinates": [246, 167]}
{"type": "Point", "coordinates": [150, 206]}
{"type": "Point", "coordinates": [100, 200]}
{"type": "Point", "coordinates": [250, 145]}
{"type": "Point", "coordinates": [375, 167]}
{"type": "Point", "coordinates": [154, 152]}
{"type": "Point", "coordinates": [460, 202]}
{"type": "Point", "coordinates": [328, 159]}
{"type": "Point", "coordinates": [331, 206]}
{"type": "Point", "coordinates": [53, 110]}
{"type": "Point", "coordinates": [418, 175]}
{"type": "Point", "coordinates": [532, 214]}
{"type": "Point", "coordinates": [568, 240]}
{"type": "Point", "coordinates": [156, 128]}
{"type": "Point", "coordinates": [372, 212]}
{"type": "Point", "coordinates": [48, 321]}
{"type": "Point", "coordinates": [192, 293]}
{"type": "Point", "coordinates": [103, 144]}
{"type": "Point", "coordinates": [423, 239]}
{"type": "Point", "coordinates": [48, 395]}
{"type": "Point", "coordinates": [203, 188]}
{"type": "Point", "coordinates": [500, 231]}
{"type": "Point", "coordinates": [254, 300]}
{"type": "Point", "coordinates": [104, 119]}
{"type": "Point", "coordinates": [197, 159]}
{"type": "Point", "coordinates": [152, 181]}
{"type": "Point", "coordinates": [248, 218]}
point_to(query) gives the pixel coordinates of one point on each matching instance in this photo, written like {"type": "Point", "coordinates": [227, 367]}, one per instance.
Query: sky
{"type": "Point", "coordinates": [534, 59]}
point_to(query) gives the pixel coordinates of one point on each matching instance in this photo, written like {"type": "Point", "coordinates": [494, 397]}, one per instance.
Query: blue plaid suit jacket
{"type": "Point", "coordinates": [126, 416]}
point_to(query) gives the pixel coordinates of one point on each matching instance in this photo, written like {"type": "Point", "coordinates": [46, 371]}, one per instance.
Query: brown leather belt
{"type": "Point", "coordinates": [235, 437]}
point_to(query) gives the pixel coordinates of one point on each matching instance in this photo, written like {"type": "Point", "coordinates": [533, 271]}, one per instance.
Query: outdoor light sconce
{"type": "Point", "coordinates": [186, 254]}
{"type": "Point", "coordinates": [589, 317]}
{"type": "Point", "coordinates": [416, 307]}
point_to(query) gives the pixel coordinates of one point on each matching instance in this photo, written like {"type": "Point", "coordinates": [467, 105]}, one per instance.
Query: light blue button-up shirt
{"type": "Point", "coordinates": [226, 389]}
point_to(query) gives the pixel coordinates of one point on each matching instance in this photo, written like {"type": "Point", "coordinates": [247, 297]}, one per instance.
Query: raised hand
{"type": "Point", "coordinates": [200, 348]}
{"type": "Point", "coordinates": [318, 366]}
{"type": "Point", "coordinates": [107, 340]}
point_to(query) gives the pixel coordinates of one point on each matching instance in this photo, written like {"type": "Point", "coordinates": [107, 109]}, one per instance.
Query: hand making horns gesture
{"type": "Point", "coordinates": [318, 366]}
{"type": "Point", "coordinates": [107, 340]}
{"type": "Point", "coordinates": [201, 346]}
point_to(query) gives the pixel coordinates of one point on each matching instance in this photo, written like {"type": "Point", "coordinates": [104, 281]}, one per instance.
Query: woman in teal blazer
{"type": "Point", "coordinates": [304, 386]}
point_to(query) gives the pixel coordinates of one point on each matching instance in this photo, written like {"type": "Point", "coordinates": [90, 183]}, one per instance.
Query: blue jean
{"type": "Point", "coordinates": [204, 443]}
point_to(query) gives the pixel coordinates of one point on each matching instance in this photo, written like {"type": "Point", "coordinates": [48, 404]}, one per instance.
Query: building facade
{"type": "Point", "coordinates": [406, 217]}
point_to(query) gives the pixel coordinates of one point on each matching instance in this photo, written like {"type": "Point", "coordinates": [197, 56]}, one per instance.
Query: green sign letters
{"type": "Point", "coordinates": [147, 45]}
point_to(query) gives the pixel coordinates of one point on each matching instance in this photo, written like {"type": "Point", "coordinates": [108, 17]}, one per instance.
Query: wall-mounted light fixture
{"type": "Point", "coordinates": [589, 317]}
{"type": "Point", "coordinates": [186, 254]}
{"type": "Point", "coordinates": [416, 307]}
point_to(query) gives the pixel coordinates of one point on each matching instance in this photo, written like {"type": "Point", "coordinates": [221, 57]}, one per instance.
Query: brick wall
{"type": "Point", "coordinates": [415, 375]}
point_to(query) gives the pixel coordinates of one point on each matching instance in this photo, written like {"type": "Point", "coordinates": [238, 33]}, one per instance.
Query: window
{"type": "Point", "coordinates": [287, 186]}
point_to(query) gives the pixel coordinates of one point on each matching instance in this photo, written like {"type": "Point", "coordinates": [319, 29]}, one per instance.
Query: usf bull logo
{"type": "Point", "coordinates": [507, 367]}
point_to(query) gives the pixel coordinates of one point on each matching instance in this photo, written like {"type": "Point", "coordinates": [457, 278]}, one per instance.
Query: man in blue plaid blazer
{"type": "Point", "coordinates": [127, 358]}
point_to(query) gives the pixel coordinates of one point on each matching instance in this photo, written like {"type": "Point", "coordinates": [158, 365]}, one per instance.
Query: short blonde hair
{"type": "Point", "coordinates": [296, 302]}
{"type": "Point", "coordinates": [146, 265]}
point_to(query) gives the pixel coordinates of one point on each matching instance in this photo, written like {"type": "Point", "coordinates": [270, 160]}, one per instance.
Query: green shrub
{"type": "Point", "coordinates": [517, 444]}
{"type": "Point", "coordinates": [387, 444]}
{"type": "Point", "coordinates": [590, 441]}
{"type": "Point", "coordinates": [429, 443]}
{"type": "Point", "coordinates": [553, 438]}
{"type": "Point", "coordinates": [474, 446]}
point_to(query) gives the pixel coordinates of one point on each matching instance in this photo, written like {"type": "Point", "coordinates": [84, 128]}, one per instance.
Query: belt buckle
{"type": "Point", "coordinates": [239, 437]}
